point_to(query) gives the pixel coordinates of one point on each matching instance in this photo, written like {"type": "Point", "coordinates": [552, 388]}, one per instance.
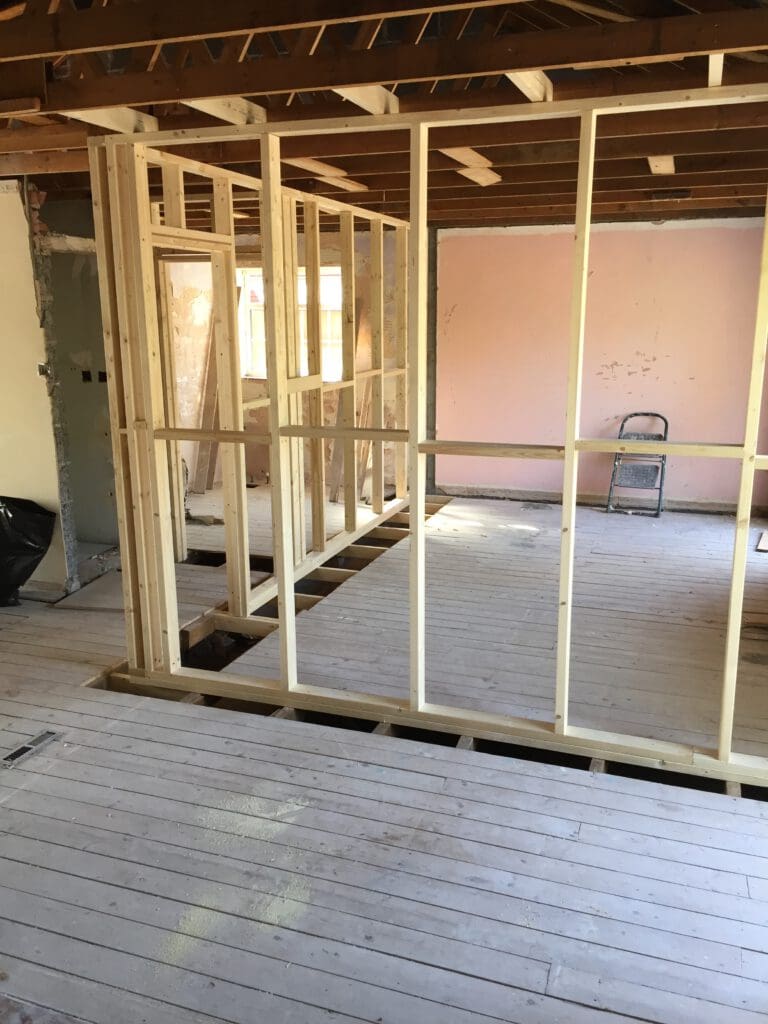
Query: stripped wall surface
{"type": "Point", "coordinates": [670, 319]}
{"type": "Point", "coordinates": [28, 457]}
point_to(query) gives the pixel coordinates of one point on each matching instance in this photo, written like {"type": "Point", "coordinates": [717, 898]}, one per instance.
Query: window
{"type": "Point", "coordinates": [253, 349]}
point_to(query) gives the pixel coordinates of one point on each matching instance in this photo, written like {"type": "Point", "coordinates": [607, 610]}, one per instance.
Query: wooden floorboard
{"type": "Point", "coordinates": [199, 588]}
{"type": "Point", "coordinates": [210, 536]}
{"type": "Point", "coordinates": [182, 864]}
{"type": "Point", "coordinates": [650, 603]}
{"type": "Point", "coordinates": [174, 862]}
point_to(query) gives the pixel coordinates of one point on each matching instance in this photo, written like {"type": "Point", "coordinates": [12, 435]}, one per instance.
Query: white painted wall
{"type": "Point", "coordinates": [27, 453]}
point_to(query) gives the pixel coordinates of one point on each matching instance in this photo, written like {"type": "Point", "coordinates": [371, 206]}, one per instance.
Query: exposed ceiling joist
{"type": "Point", "coordinates": [480, 175]}
{"type": "Point", "coordinates": [474, 162]}
{"type": "Point", "coordinates": [375, 99]}
{"type": "Point", "coordinates": [316, 167]}
{"type": "Point", "coordinates": [231, 109]}
{"type": "Point", "coordinates": [52, 137]}
{"type": "Point", "coordinates": [362, 160]}
{"type": "Point", "coordinates": [346, 184]}
{"type": "Point", "coordinates": [534, 85]}
{"type": "Point", "coordinates": [467, 156]}
{"type": "Point", "coordinates": [328, 174]}
{"type": "Point", "coordinates": [8, 13]}
{"type": "Point", "coordinates": [610, 45]}
{"type": "Point", "coordinates": [147, 22]}
{"type": "Point", "coordinates": [714, 119]}
{"type": "Point", "coordinates": [17, 107]}
{"type": "Point", "coordinates": [117, 119]}
{"type": "Point", "coordinates": [597, 11]}
{"type": "Point", "coordinates": [15, 164]}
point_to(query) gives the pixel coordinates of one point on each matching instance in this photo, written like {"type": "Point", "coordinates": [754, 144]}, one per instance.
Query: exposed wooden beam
{"type": "Point", "coordinates": [54, 137]}
{"type": "Point", "coordinates": [566, 210]}
{"type": "Point", "coordinates": [116, 119]}
{"type": "Point", "coordinates": [375, 99]}
{"type": "Point", "coordinates": [346, 184]}
{"type": "Point", "coordinates": [15, 164]}
{"type": "Point", "coordinates": [315, 167]}
{"type": "Point", "coordinates": [467, 156]}
{"type": "Point", "coordinates": [9, 13]}
{"type": "Point", "coordinates": [535, 85]}
{"type": "Point", "coordinates": [147, 22]}
{"type": "Point", "coordinates": [480, 175]}
{"type": "Point", "coordinates": [661, 164]}
{"type": "Point", "coordinates": [695, 119]}
{"type": "Point", "coordinates": [232, 109]}
{"type": "Point", "coordinates": [715, 154]}
{"type": "Point", "coordinates": [612, 45]}
{"type": "Point", "coordinates": [476, 166]}
{"type": "Point", "coordinates": [596, 11]}
{"type": "Point", "coordinates": [715, 70]}
{"type": "Point", "coordinates": [633, 197]}
{"type": "Point", "coordinates": [17, 107]}
{"type": "Point", "coordinates": [550, 153]}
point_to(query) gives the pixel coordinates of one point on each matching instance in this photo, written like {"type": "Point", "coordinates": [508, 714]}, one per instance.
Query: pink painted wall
{"type": "Point", "coordinates": [669, 327]}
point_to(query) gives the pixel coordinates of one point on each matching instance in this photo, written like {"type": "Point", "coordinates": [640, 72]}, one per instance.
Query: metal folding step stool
{"type": "Point", "coordinates": [639, 472]}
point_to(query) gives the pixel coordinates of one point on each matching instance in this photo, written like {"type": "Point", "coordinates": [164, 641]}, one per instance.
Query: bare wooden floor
{"type": "Point", "coordinates": [649, 622]}
{"type": "Point", "coordinates": [199, 588]}
{"type": "Point", "coordinates": [177, 864]}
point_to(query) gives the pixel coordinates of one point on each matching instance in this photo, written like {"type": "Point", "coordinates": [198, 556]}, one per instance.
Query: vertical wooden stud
{"type": "Point", "coordinates": [348, 394]}
{"type": "Point", "coordinates": [401, 355]}
{"type": "Point", "coordinates": [174, 206]}
{"type": "Point", "coordinates": [315, 366]}
{"type": "Point", "coordinates": [293, 362]}
{"type": "Point", "coordinates": [124, 498]}
{"type": "Point", "coordinates": [145, 408]}
{"type": "Point", "coordinates": [744, 507]}
{"type": "Point", "coordinates": [572, 415]}
{"type": "Point", "coordinates": [280, 454]}
{"type": "Point", "coordinates": [417, 408]}
{"type": "Point", "coordinates": [168, 359]}
{"type": "Point", "coordinates": [207, 452]}
{"type": "Point", "coordinates": [227, 347]}
{"type": "Point", "coordinates": [377, 362]}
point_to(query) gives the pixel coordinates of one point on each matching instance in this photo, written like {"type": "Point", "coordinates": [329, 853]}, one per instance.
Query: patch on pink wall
{"type": "Point", "coordinates": [670, 318]}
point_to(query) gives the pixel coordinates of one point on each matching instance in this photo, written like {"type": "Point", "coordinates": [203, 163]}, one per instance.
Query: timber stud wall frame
{"type": "Point", "coordinates": [144, 431]}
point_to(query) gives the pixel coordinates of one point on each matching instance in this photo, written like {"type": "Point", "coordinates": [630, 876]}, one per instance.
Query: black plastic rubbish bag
{"type": "Point", "coordinates": [26, 530]}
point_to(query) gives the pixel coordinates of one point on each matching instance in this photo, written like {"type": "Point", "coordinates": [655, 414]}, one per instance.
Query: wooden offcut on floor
{"type": "Point", "coordinates": [180, 864]}
{"type": "Point", "coordinates": [650, 610]}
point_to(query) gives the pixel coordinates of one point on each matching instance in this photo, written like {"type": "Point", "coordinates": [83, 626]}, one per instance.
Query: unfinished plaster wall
{"type": "Point", "coordinates": [670, 320]}
{"type": "Point", "coordinates": [28, 459]}
{"type": "Point", "coordinates": [82, 375]}
{"type": "Point", "coordinates": [75, 330]}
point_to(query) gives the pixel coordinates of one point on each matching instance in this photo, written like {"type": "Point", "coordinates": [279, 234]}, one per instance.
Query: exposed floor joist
{"type": "Point", "coordinates": [615, 45]}
{"type": "Point", "coordinates": [147, 22]}
{"type": "Point", "coordinates": [374, 99]}
{"type": "Point", "coordinates": [232, 109]}
{"type": "Point", "coordinates": [117, 119]}
{"type": "Point", "coordinates": [535, 85]}
{"type": "Point", "coordinates": [310, 60]}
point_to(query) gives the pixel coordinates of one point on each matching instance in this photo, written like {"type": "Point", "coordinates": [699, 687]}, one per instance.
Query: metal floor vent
{"type": "Point", "coordinates": [25, 750]}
